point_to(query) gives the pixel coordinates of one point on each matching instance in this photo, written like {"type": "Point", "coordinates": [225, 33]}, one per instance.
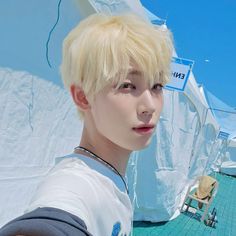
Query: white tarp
{"type": "Point", "coordinates": [228, 165]}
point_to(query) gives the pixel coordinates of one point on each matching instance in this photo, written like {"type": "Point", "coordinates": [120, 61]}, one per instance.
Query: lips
{"type": "Point", "coordinates": [144, 129]}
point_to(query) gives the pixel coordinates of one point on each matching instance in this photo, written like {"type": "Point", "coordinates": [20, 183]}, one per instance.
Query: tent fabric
{"type": "Point", "coordinates": [226, 118]}
{"type": "Point", "coordinates": [228, 165]}
{"type": "Point", "coordinates": [232, 152]}
{"type": "Point", "coordinates": [224, 114]}
{"type": "Point", "coordinates": [118, 7]}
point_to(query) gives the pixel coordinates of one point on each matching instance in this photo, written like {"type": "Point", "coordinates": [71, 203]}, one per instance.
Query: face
{"type": "Point", "coordinates": [127, 115]}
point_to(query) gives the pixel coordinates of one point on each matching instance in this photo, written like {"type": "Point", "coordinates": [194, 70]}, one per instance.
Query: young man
{"type": "Point", "coordinates": [115, 68]}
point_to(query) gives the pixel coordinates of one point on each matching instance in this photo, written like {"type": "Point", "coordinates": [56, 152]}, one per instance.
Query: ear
{"type": "Point", "coordinates": [79, 97]}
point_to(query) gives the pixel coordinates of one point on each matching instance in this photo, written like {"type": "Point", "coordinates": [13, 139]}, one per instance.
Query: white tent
{"type": "Point", "coordinates": [232, 149]}
{"type": "Point", "coordinates": [228, 165]}
{"type": "Point", "coordinates": [225, 161]}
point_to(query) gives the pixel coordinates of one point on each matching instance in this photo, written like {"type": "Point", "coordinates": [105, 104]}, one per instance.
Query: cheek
{"type": "Point", "coordinates": [159, 105]}
{"type": "Point", "coordinates": [113, 117]}
{"type": "Point", "coordinates": [119, 107]}
{"type": "Point", "coordinates": [110, 111]}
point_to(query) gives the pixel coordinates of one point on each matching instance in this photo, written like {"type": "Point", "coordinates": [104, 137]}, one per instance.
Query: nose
{"type": "Point", "coordinates": [146, 104]}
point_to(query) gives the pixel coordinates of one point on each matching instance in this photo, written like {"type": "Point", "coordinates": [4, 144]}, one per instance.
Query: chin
{"type": "Point", "coordinates": [140, 146]}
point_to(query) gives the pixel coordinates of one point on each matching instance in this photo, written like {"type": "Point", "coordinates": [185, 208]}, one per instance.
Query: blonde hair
{"type": "Point", "coordinates": [101, 48]}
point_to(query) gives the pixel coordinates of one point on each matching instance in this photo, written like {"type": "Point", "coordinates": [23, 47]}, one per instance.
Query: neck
{"type": "Point", "coordinates": [108, 151]}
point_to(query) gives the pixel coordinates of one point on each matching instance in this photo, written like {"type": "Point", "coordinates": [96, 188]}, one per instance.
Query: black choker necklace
{"type": "Point", "coordinates": [96, 157]}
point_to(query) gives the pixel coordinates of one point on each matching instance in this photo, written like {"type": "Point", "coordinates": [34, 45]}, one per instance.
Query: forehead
{"type": "Point", "coordinates": [134, 70]}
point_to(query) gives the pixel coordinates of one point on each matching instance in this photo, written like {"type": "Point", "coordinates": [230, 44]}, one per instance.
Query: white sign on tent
{"type": "Point", "coordinates": [180, 69]}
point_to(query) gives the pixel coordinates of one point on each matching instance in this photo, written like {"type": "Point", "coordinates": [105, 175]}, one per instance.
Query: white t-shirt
{"type": "Point", "coordinates": [89, 190]}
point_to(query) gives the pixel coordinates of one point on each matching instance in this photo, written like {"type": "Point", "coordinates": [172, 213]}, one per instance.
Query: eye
{"type": "Point", "coordinates": [157, 87]}
{"type": "Point", "coordinates": [126, 86]}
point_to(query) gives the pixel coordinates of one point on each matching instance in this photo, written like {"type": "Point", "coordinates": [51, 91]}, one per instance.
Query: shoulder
{"type": "Point", "coordinates": [70, 186]}
{"type": "Point", "coordinates": [71, 175]}
{"type": "Point", "coordinates": [74, 175]}
{"type": "Point", "coordinates": [46, 221]}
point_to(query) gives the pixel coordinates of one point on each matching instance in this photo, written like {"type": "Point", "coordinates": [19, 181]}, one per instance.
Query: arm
{"type": "Point", "coordinates": [46, 221]}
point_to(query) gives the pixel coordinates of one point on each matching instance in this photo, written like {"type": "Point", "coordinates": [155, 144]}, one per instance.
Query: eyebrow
{"type": "Point", "coordinates": [134, 72]}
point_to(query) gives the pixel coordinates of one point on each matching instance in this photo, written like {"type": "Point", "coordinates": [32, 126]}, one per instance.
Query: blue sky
{"type": "Point", "coordinates": [205, 32]}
